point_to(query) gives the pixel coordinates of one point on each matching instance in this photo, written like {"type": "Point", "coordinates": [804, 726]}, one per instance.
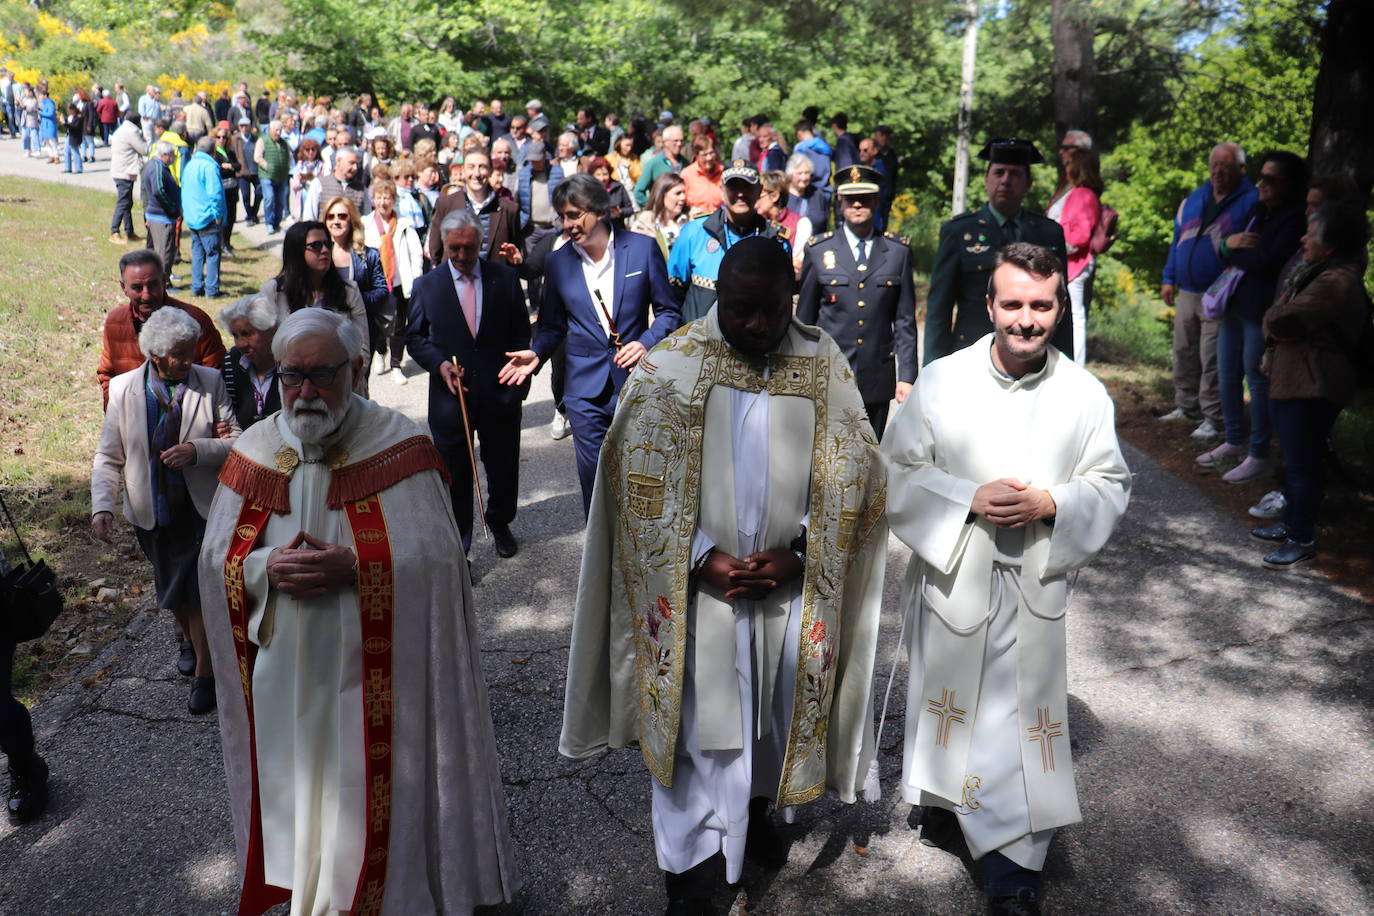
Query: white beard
{"type": "Point", "coordinates": [312, 420]}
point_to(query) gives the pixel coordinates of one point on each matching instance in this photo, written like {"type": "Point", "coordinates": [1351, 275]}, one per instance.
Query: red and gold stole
{"type": "Point", "coordinates": [376, 604]}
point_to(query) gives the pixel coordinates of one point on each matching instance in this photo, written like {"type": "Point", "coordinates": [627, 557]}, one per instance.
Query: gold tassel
{"type": "Point", "coordinates": [256, 483]}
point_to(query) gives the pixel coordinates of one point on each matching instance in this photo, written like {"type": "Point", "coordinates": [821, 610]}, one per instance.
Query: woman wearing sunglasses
{"type": "Point", "coordinates": [308, 280]}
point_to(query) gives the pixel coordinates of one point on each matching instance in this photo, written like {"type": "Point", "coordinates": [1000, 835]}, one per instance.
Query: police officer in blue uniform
{"type": "Point", "coordinates": [694, 262]}
{"type": "Point", "coordinates": [956, 309]}
{"type": "Point", "coordinates": [856, 286]}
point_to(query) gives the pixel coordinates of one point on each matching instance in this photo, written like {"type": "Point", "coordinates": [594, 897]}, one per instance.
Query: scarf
{"type": "Point", "coordinates": [163, 399]}
{"type": "Point", "coordinates": [388, 248]}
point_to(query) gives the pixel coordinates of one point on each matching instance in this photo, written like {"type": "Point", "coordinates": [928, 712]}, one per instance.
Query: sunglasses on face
{"type": "Point", "coordinates": [336, 218]}
{"type": "Point", "coordinates": [317, 246]}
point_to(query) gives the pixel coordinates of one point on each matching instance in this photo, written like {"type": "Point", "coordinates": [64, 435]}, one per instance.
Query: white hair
{"type": "Point", "coordinates": [796, 161]}
{"type": "Point", "coordinates": [275, 122]}
{"type": "Point", "coordinates": [162, 148]}
{"type": "Point", "coordinates": [459, 219]}
{"type": "Point", "coordinates": [165, 330]}
{"type": "Point", "coordinates": [568, 137]}
{"type": "Point", "coordinates": [309, 322]}
{"type": "Point", "coordinates": [259, 311]}
{"type": "Point", "coordinates": [1231, 146]}
{"type": "Point", "coordinates": [1079, 138]}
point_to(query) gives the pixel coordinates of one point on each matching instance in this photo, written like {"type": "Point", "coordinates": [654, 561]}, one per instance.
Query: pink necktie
{"type": "Point", "coordinates": [467, 298]}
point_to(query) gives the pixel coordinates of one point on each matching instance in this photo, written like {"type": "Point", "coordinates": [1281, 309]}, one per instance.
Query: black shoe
{"type": "Point", "coordinates": [1276, 533]}
{"type": "Point", "coordinates": [186, 661]}
{"type": "Point", "coordinates": [28, 797]}
{"type": "Point", "coordinates": [682, 906]}
{"type": "Point", "coordinates": [1023, 904]}
{"type": "Point", "coordinates": [506, 547]}
{"type": "Point", "coordinates": [762, 844]}
{"type": "Point", "coordinates": [939, 828]}
{"type": "Point", "coordinates": [202, 698]}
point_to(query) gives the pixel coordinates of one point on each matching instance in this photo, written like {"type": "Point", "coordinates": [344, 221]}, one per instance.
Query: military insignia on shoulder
{"type": "Point", "coordinates": [904, 239]}
{"type": "Point", "coordinates": [824, 236]}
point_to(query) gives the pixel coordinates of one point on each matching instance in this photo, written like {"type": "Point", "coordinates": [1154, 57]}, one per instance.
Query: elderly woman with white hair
{"type": "Point", "coordinates": [159, 445]}
{"type": "Point", "coordinates": [804, 198]}
{"type": "Point", "coordinates": [250, 370]}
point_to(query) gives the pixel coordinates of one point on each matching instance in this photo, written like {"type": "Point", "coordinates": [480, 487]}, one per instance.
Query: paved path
{"type": "Point", "coordinates": [1220, 713]}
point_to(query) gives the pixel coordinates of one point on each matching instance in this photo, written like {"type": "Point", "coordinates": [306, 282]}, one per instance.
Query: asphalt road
{"type": "Point", "coordinates": [1221, 715]}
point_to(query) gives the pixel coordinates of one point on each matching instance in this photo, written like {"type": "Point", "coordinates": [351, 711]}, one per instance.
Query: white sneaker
{"type": "Point", "coordinates": [1271, 505]}
{"type": "Point", "coordinates": [558, 427]}
{"type": "Point", "coordinates": [1178, 413]}
{"type": "Point", "coordinates": [1219, 454]}
{"type": "Point", "coordinates": [1205, 430]}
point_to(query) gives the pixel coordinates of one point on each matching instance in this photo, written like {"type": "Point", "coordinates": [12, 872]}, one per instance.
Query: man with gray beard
{"type": "Point", "coordinates": [357, 737]}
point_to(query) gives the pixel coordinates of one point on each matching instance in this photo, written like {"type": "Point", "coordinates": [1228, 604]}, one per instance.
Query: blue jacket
{"type": "Point", "coordinates": [569, 315]}
{"type": "Point", "coordinates": [1195, 255]}
{"type": "Point", "coordinates": [524, 187]}
{"type": "Point", "coordinates": [161, 194]}
{"type": "Point", "coordinates": [202, 192]}
{"type": "Point", "coordinates": [1280, 233]}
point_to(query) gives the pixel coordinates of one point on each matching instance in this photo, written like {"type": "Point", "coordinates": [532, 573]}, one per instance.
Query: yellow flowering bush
{"type": "Point", "coordinates": [192, 37]}
{"type": "Point", "coordinates": [99, 39]}
{"type": "Point", "coordinates": [189, 87]}
{"type": "Point", "coordinates": [50, 26]}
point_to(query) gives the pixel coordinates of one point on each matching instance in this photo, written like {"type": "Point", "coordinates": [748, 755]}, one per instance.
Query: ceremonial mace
{"type": "Point", "coordinates": [472, 453]}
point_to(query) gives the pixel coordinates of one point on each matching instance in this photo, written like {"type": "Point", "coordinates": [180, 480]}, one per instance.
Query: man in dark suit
{"type": "Point", "coordinates": [593, 139]}
{"type": "Point", "coordinates": [465, 315]}
{"type": "Point", "coordinates": [856, 286]}
{"type": "Point", "coordinates": [597, 294]}
{"type": "Point", "coordinates": [968, 250]}
{"type": "Point", "coordinates": [499, 217]}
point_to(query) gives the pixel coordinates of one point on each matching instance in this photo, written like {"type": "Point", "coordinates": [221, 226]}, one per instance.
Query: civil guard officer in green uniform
{"type": "Point", "coordinates": [856, 286]}
{"type": "Point", "coordinates": [695, 259]}
{"type": "Point", "coordinates": [956, 310]}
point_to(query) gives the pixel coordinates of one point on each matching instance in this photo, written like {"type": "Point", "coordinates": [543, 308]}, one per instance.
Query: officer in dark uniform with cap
{"type": "Point", "coordinates": [856, 286]}
{"type": "Point", "coordinates": [695, 259]}
{"type": "Point", "coordinates": [956, 310]}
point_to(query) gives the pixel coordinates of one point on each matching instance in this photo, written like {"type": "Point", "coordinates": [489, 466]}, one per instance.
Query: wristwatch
{"type": "Point", "coordinates": [798, 546]}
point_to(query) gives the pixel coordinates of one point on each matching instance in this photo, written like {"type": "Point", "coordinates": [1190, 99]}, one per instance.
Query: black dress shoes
{"type": "Point", "coordinates": [690, 907]}
{"type": "Point", "coordinates": [939, 828]}
{"type": "Point", "coordinates": [28, 797]}
{"type": "Point", "coordinates": [1023, 904]}
{"type": "Point", "coordinates": [762, 844]}
{"type": "Point", "coordinates": [202, 698]}
{"type": "Point", "coordinates": [506, 547]}
{"type": "Point", "coordinates": [186, 661]}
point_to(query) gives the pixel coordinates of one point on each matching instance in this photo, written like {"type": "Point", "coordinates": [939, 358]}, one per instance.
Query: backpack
{"type": "Point", "coordinates": [1104, 233]}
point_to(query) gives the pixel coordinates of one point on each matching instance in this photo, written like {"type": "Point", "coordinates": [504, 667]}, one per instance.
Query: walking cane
{"type": "Point", "coordinates": [472, 453]}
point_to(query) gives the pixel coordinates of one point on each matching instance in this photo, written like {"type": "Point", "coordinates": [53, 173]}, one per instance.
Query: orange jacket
{"type": "Point", "coordinates": [119, 352]}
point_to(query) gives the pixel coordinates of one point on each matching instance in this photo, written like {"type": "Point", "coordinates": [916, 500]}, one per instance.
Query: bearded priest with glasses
{"type": "Point", "coordinates": [349, 709]}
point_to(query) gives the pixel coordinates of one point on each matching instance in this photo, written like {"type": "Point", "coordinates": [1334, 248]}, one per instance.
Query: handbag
{"type": "Point", "coordinates": [1219, 294]}
{"type": "Point", "coordinates": [29, 597]}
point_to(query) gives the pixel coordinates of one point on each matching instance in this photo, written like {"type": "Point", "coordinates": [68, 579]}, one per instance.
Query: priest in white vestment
{"type": "Point", "coordinates": [727, 614]}
{"type": "Point", "coordinates": [1005, 477]}
{"type": "Point", "coordinates": [357, 737]}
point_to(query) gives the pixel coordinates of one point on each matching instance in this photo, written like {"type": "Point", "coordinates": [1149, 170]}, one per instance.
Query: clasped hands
{"type": "Point", "coordinates": [312, 570]}
{"type": "Point", "coordinates": [1009, 503]}
{"type": "Point", "coordinates": [754, 576]}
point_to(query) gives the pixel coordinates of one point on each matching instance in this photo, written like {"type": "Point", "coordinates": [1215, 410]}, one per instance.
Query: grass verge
{"type": "Point", "coordinates": [61, 276]}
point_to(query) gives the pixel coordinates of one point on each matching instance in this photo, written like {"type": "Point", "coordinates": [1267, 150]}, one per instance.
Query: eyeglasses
{"type": "Point", "coordinates": [317, 246]}
{"type": "Point", "coordinates": [320, 378]}
{"type": "Point", "coordinates": [1266, 178]}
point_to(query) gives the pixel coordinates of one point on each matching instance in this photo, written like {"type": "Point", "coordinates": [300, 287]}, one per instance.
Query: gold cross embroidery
{"type": "Point", "coordinates": [374, 590]}
{"type": "Point", "coordinates": [381, 802]}
{"type": "Point", "coordinates": [378, 696]}
{"type": "Point", "coordinates": [372, 898]}
{"type": "Point", "coordinates": [947, 713]}
{"type": "Point", "coordinates": [1045, 731]}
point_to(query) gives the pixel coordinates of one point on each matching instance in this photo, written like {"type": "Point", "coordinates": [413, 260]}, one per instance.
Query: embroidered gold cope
{"type": "Point", "coordinates": [666, 471]}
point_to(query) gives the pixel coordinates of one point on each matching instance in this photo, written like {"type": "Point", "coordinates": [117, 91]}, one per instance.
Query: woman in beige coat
{"type": "Point", "coordinates": [159, 445]}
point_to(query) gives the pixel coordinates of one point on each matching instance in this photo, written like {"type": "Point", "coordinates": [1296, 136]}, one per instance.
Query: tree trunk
{"type": "Point", "coordinates": [1342, 138]}
{"type": "Point", "coordinates": [1075, 68]}
{"type": "Point", "coordinates": [965, 106]}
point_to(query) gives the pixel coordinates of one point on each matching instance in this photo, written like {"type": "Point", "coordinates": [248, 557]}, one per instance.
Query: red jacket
{"type": "Point", "coordinates": [119, 352]}
{"type": "Point", "coordinates": [1079, 217]}
{"type": "Point", "coordinates": [108, 110]}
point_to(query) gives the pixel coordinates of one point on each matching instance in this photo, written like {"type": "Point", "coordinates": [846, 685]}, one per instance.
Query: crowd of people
{"type": "Point", "coordinates": [260, 480]}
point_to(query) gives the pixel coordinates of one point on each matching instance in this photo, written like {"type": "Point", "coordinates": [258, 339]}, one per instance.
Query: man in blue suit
{"type": "Point", "coordinates": [597, 295]}
{"type": "Point", "coordinates": [465, 315]}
